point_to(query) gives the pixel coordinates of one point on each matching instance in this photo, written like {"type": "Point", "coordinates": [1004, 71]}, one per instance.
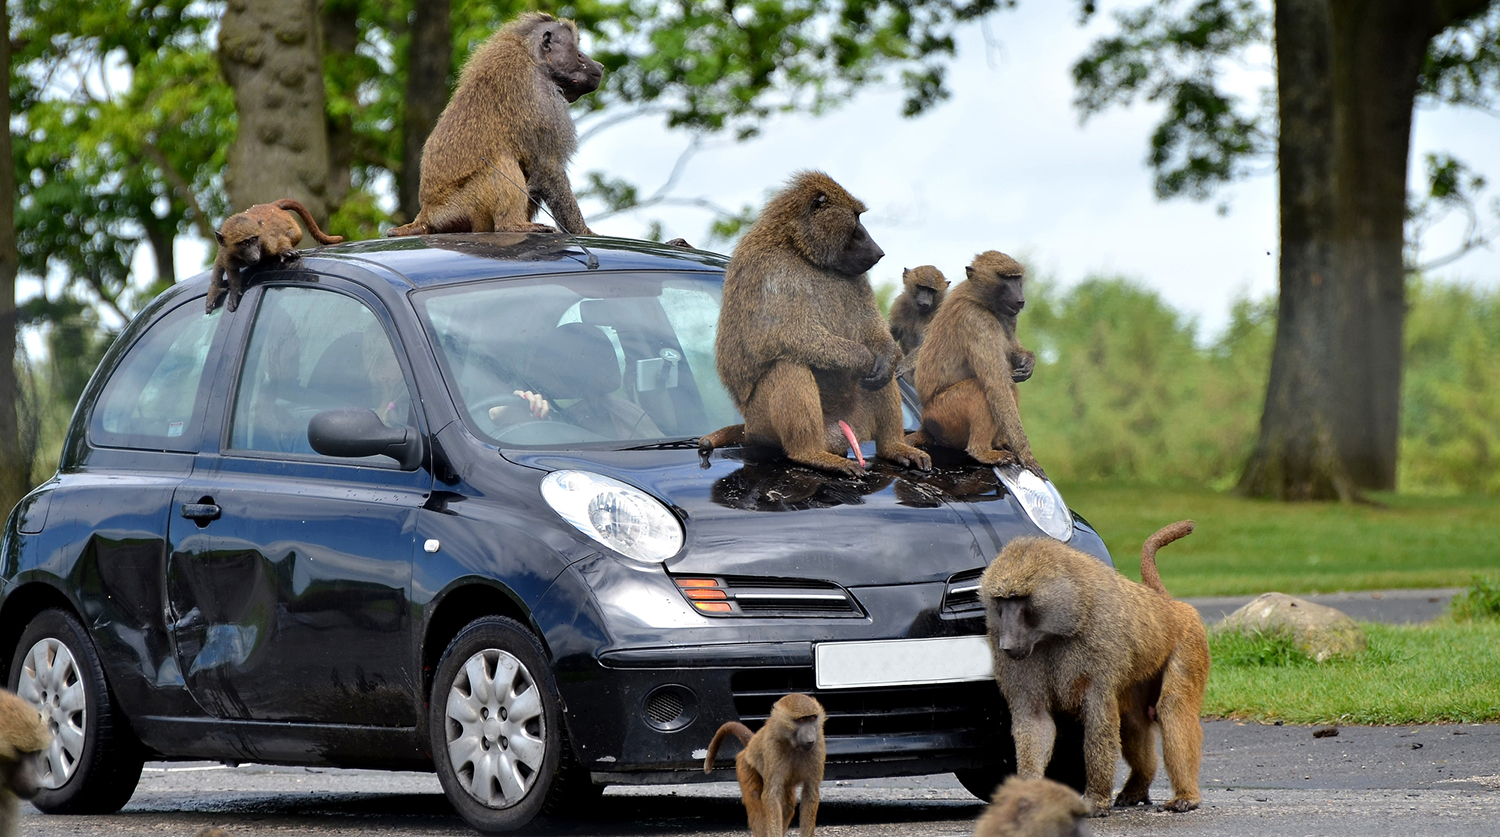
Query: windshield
{"type": "Point", "coordinates": [609, 359]}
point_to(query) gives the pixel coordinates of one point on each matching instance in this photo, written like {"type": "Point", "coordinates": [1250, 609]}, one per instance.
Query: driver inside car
{"type": "Point", "coordinates": [574, 374]}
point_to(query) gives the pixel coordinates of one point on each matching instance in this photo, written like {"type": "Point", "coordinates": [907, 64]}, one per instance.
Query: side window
{"type": "Point", "coordinates": [313, 350]}
{"type": "Point", "coordinates": [153, 393]}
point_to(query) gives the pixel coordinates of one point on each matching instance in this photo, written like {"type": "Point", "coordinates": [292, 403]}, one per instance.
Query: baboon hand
{"type": "Point", "coordinates": [1023, 367]}
{"type": "Point", "coordinates": [879, 374]}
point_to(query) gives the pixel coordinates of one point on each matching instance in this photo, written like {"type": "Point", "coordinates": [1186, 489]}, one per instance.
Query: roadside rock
{"type": "Point", "coordinates": [1319, 631]}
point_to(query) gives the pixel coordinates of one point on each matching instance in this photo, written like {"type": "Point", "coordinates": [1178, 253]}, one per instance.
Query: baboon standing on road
{"type": "Point", "coordinates": [785, 755]}
{"type": "Point", "coordinates": [1069, 634]}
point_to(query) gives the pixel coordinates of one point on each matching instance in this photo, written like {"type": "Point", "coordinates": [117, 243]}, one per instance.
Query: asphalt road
{"type": "Point", "coordinates": [1257, 780]}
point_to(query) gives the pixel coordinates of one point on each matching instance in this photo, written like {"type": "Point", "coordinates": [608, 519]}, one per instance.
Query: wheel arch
{"type": "Point", "coordinates": [24, 604]}
{"type": "Point", "coordinates": [461, 603]}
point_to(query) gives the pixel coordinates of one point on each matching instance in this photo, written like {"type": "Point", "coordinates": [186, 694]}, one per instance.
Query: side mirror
{"type": "Point", "coordinates": [353, 431]}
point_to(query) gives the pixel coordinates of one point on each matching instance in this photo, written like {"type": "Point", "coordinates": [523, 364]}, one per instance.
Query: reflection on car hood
{"type": "Point", "coordinates": [753, 514]}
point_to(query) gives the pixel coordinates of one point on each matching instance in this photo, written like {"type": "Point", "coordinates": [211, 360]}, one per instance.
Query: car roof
{"type": "Point", "coordinates": [434, 260]}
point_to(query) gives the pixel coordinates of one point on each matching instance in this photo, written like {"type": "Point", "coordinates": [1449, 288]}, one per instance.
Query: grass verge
{"type": "Point", "coordinates": [1441, 672]}
{"type": "Point", "coordinates": [1254, 546]}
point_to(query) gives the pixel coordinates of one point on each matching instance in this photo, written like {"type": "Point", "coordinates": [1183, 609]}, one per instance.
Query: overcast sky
{"type": "Point", "coordinates": [1004, 164]}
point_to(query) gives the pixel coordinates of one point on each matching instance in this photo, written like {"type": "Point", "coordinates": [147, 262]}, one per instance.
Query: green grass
{"type": "Point", "coordinates": [1253, 546]}
{"type": "Point", "coordinates": [1443, 672]}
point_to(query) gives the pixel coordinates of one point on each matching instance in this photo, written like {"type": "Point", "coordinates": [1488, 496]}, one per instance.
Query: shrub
{"type": "Point", "coordinates": [1480, 601]}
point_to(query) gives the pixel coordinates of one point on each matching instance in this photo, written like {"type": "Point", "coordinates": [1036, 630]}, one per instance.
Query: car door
{"type": "Point", "coordinates": [290, 572]}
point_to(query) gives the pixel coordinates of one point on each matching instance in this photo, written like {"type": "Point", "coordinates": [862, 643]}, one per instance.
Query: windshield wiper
{"type": "Point", "coordinates": [684, 443]}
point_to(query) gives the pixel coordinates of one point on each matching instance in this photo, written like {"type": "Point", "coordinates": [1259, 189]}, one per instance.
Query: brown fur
{"type": "Point", "coordinates": [1033, 808]}
{"type": "Point", "coordinates": [263, 233]}
{"type": "Point", "coordinates": [801, 344]}
{"type": "Point", "coordinates": [1070, 634]}
{"type": "Point", "coordinates": [923, 290]}
{"type": "Point", "coordinates": [505, 138]}
{"type": "Point", "coordinates": [969, 364]}
{"type": "Point", "coordinates": [23, 735]}
{"type": "Point", "coordinates": [212, 831]}
{"type": "Point", "coordinates": [786, 754]}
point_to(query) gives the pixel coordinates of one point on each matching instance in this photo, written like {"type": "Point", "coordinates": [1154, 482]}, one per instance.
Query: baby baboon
{"type": "Point", "coordinates": [969, 365]}
{"type": "Point", "coordinates": [260, 234]}
{"type": "Point", "coordinates": [1069, 634]}
{"type": "Point", "coordinates": [786, 754]}
{"type": "Point", "coordinates": [505, 138]}
{"type": "Point", "coordinates": [801, 343]}
{"type": "Point", "coordinates": [23, 735]}
{"type": "Point", "coordinates": [924, 289]}
{"type": "Point", "coordinates": [1034, 808]}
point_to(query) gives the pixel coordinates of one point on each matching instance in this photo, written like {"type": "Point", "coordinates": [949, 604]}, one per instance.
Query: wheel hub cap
{"type": "Point", "coordinates": [51, 682]}
{"type": "Point", "coordinates": [495, 729]}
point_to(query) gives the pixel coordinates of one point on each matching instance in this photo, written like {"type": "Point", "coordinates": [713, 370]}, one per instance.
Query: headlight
{"type": "Point", "coordinates": [621, 517]}
{"type": "Point", "coordinates": [1040, 499]}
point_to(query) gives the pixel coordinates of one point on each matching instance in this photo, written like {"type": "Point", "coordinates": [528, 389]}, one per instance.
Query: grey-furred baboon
{"type": "Point", "coordinates": [23, 737]}
{"type": "Point", "coordinates": [1034, 808]}
{"type": "Point", "coordinates": [505, 138]}
{"type": "Point", "coordinates": [969, 364]}
{"type": "Point", "coordinates": [801, 346]}
{"type": "Point", "coordinates": [263, 233]}
{"type": "Point", "coordinates": [923, 289]}
{"type": "Point", "coordinates": [786, 754]}
{"type": "Point", "coordinates": [1069, 634]}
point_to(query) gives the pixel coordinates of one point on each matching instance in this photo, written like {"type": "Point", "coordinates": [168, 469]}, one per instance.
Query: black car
{"type": "Point", "coordinates": [436, 503]}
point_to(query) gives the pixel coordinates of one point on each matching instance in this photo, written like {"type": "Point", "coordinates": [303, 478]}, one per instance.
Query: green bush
{"type": "Point", "coordinates": [1256, 649]}
{"type": "Point", "coordinates": [1480, 601]}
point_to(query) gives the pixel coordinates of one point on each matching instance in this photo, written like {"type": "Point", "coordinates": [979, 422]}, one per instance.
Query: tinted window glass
{"type": "Point", "coordinates": [153, 394]}
{"type": "Point", "coordinates": [615, 359]}
{"type": "Point", "coordinates": [313, 350]}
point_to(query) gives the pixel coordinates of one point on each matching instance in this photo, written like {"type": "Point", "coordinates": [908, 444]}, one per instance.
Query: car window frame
{"type": "Point", "coordinates": [191, 439]}
{"type": "Point", "coordinates": [240, 347]}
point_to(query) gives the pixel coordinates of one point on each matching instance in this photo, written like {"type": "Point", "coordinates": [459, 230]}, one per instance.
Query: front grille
{"type": "Point", "coordinates": [975, 707]}
{"type": "Point", "coordinates": [961, 598]}
{"type": "Point", "coordinates": [737, 595]}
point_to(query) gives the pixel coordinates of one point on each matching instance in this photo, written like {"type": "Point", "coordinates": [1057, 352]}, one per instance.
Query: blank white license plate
{"type": "Point", "coordinates": [902, 662]}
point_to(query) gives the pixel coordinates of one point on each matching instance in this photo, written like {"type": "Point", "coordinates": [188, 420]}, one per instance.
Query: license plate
{"type": "Point", "coordinates": [902, 662]}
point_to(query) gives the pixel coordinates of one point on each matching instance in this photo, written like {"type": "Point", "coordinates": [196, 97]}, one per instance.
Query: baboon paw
{"type": "Point", "coordinates": [1179, 805]}
{"type": "Point", "coordinates": [1131, 800]}
{"type": "Point", "coordinates": [1098, 807]}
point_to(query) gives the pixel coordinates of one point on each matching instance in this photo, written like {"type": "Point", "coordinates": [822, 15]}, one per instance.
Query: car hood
{"type": "Point", "coordinates": [760, 515]}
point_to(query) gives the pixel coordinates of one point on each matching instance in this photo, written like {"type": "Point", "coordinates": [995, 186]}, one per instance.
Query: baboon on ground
{"type": "Point", "coordinates": [1034, 808]}
{"type": "Point", "coordinates": [969, 365]}
{"type": "Point", "coordinates": [786, 754]}
{"type": "Point", "coordinates": [801, 345]}
{"type": "Point", "coordinates": [505, 138]}
{"type": "Point", "coordinates": [1069, 634]}
{"type": "Point", "coordinates": [23, 736]}
{"type": "Point", "coordinates": [923, 290]}
{"type": "Point", "coordinates": [259, 235]}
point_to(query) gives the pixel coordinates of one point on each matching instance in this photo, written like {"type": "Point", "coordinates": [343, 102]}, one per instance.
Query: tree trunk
{"type": "Point", "coordinates": [271, 53]}
{"type": "Point", "coordinates": [1295, 457]}
{"type": "Point", "coordinates": [15, 463]}
{"type": "Point", "coordinates": [340, 39]}
{"type": "Point", "coordinates": [430, 63]}
{"type": "Point", "coordinates": [1347, 81]}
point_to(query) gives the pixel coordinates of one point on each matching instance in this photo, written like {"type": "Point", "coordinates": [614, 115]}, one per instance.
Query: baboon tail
{"type": "Point", "coordinates": [1149, 576]}
{"type": "Point", "coordinates": [734, 434]}
{"type": "Point", "coordinates": [312, 226]}
{"type": "Point", "coordinates": [735, 728]}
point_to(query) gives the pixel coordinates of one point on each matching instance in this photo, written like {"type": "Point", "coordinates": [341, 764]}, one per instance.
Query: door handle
{"type": "Point", "coordinates": [200, 512]}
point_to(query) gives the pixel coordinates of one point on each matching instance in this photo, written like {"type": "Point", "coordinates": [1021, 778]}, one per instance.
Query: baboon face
{"type": "Point", "coordinates": [574, 73]}
{"type": "Point", "coordinates": [925, 299]}
{"type": "Point", "coordinates": [1012, 295]}
{"type": "Point", "coordinates": [835, 230]}
{"type": "Point", "coordinates": [23, 776]}
{"type": "Point", "coordinates": [807, 732]}
{"type": "Point", "coordinates": [1003, 279]}
{"type": "Point", "coordinates": [1013, 625]}
{"type": "Point", "coordinates": [926, 285]}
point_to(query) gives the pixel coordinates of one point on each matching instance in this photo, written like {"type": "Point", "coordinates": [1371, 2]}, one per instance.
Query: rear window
{"type": "Point", "coordinates": [154, 393]}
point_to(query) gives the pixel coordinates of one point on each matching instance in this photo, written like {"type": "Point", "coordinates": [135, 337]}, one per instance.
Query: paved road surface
{"type": "Point", "coordinates": [1258, 780]}
{"type": "Point", "coordinates": [1394, 606]}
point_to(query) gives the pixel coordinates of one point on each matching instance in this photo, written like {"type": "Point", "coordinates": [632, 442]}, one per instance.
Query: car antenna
{"type": "Point", "coordinates": [593, 261]}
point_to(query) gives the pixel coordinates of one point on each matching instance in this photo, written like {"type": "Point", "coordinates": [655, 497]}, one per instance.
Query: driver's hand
{"type": "Point", "coordinates": [539, 406]}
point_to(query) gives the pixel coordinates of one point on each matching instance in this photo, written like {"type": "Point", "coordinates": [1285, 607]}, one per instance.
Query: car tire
{"type": "Point", "coordinates": [982, 781]}
{"type": "Point", "coordinates": [94, 761]}
{"type": "Point", "coordinates": [496, 726]}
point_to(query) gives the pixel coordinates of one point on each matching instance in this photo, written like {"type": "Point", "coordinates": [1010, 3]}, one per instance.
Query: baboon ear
{"type": "Point", "coordinates": [905, 272]}
{"type": "Point", "coordinates": [219, 237]}
{"type": "Point", "coordinates": [546, 40]}
{"type": "Point", "coordinates": [969, 271]}
{"type": "Point", "coordinates": [947, 282]}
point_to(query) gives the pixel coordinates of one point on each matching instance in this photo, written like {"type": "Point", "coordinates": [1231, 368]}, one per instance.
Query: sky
{"type": "Point", "coordinates": [1005, 164]}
